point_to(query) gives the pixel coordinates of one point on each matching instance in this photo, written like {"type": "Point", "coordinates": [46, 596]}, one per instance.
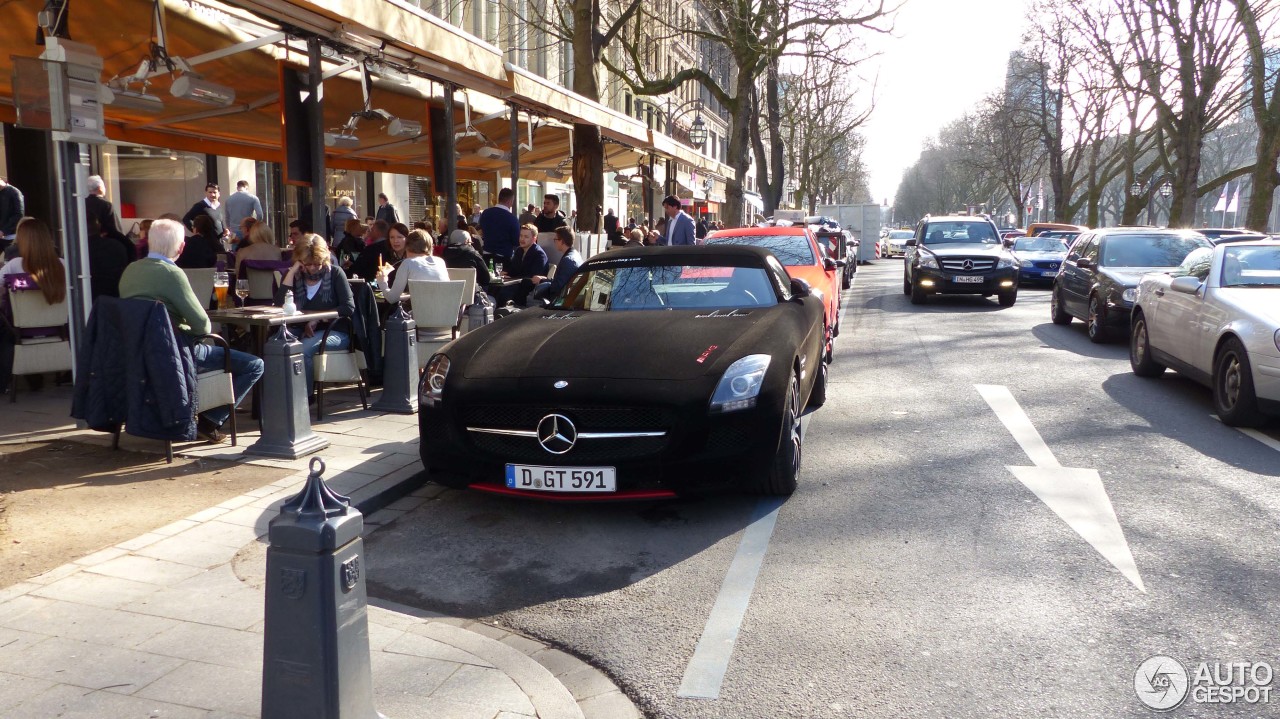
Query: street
{"type": "Point", "coordinates": [913, 573]}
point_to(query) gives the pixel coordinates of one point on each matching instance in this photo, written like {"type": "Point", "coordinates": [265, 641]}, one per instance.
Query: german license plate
{"type": "Point", "coordinates": [969, 279]}
{"type": "Point", "coordinates": [1049, 273]}
{"type": "Point", "coordinates": [561, 479]}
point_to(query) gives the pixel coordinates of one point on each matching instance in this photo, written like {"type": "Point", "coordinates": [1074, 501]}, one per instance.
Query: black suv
{"type": "Point", "coordinates": [959, 255]}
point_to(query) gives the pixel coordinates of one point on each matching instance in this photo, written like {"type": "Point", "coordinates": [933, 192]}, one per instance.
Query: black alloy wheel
{"type": "Point", "coordinates": [1096, 324]}
{"type": "Point", "coordinates": [918, 294]}
{"type": "Point", "coordinates": [1007, 298]}
{"type": "Point", "coordinates": [1057, 312]}
{"type": "Point", "coordinates": [784, 471]}
{"type": "Point", "coordinates": [1140, 349]}
{"type": "Point", "coordinates": [1233, 395]}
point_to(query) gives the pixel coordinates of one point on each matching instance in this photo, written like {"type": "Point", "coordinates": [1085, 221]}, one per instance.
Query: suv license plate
{"type": "Point", "coordinates": [970, 279]}
{"type": "Point", "coordinates": [561, 479]}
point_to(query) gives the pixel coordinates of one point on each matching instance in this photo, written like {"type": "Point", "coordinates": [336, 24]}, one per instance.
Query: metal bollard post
{"type": "Point", "coordinates": [286, 421]}
{"type": "Point", "coordinates": [315, 662]}
{"type": "Point", "coordinates": [400, 365]}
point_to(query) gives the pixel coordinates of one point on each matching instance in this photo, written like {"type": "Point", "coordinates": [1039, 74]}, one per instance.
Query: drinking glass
{"type": "Point", "coordinates": [242, 290]}
{"type": "Point", "coordinates": [497, 268]}
{"type": "Point", "coordinates": [220, 282]}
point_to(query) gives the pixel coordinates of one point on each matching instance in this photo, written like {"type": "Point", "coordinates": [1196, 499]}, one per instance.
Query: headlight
{"type": "Point", "coordinates": [431, 386]}
{"type": "Point", "coordinates": [1004, 263]}
{"type": "Point", "coordinates": [929, 262]}
{"type": "Point", "coordinates": [740, 385]}
{"type": "Point", "coordinates": [1129, 295]}
{"type": "Point", "coordinates": [1026, 263]}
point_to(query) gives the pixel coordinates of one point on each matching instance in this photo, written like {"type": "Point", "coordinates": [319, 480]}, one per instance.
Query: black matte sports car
{"type": "Point", "coordinates": [657, 371]}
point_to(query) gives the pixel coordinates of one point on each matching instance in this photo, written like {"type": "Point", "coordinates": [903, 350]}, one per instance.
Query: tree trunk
{"type": "Point", "coordinates": [588, 148]}
{"type": "Point", "coordinates": [739, 157]}
{"type": "Point", "coordinates": [777, 159]}
{"type": "Point", "coordinates": [762, 160]}
{"type": "Point", "coordinates": [1186, 174]}
{"type": "Point", "coordinates": [1264, 180]}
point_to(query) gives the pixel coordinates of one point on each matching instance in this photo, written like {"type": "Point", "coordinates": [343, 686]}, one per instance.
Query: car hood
{"type": "Point", "coordinates": [635, 344]}
{"type": "Point", "coordinates": [968, 249]}
{"type": "Point", "coordinates": [1262, 303]}
{"type": "Point", "coordinates": [1040, 255]}
{"type": "Point", "coordinates": [1129, 276]}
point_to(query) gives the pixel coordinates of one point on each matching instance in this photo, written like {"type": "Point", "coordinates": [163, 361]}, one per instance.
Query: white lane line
{"type": "Point", "coordinates": [1077, 496]}
{"type": "Point", "coordinates": [705, 672]}
{"type": "Point", "coordinates": [1269, 441]}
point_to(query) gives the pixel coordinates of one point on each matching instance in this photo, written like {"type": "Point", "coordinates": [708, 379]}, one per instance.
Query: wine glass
{"type": "Point", "coordinates": [242, 290]}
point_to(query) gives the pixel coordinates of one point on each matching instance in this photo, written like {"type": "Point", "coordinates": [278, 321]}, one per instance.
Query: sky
{"type": "Point", "coordinates": [942, 57]}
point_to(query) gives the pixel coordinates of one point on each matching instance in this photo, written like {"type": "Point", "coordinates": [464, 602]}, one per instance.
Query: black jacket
{"type": "Point", "coordinates": [527, 263]}
{"type": "Point", "coordinates": [107, 261]}
{"type": "Point", "coordinates": [200, 252]}
{"type": "Point", "coordinates": [99, 211]}
{"type": "Point", "coordinates": [203, 208]}
{"type": "Point", "coordinates": [366, 265]}
{"type": "Point", "coordinates": [387, 213]}
{"type": "Point", "coordinates": [12, 207]}
{"type": "Point", "coordinates": [134, 368]}
{"type": "Point", "coordinates": [463, 256]}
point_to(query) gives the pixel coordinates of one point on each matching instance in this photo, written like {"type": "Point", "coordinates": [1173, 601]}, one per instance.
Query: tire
{"type": "Point", "coordinates": [1233, 395]}
{"type": "Point", "coordinates": [845, 283]}
{"type": "Point", "coordinates": [1140, 349]}
{"type": "Point", "coordinates": [1006, 299]}
{"type": "Point", "coordinates": [784, 470]}
{"type": "Point", "coordinates": [1096, 324]}
{"type": "Point", "coordinates": [1056, 312]}
{"type": "Point", "coordinates": [918, 294]}
{"type": "Point", "coordinates": [906, 285]}
{"type": "Point", "coordinates": [818, 395]}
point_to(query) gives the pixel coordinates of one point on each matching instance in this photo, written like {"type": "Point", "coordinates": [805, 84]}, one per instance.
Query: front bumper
{"type": "Point", "coordinates": [944, 282]}
{"type": "Point", "coordinates": [699, 452]}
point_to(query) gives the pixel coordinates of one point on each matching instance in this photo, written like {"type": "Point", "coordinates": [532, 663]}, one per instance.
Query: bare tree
{"type": "Point", "coordinates": [1260, 20]}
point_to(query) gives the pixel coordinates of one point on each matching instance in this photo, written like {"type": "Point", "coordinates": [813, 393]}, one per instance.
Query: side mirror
{"type": "Point", "coordinates": [1185, 285]}
{"type": "Point", "coordinates": [841, 263]}
{"type": "Point", "coordinates": [799, 288]}
{"type": "Point", "coordinates": [1008, 244]}
{"type": "Point", "coordinates": [911, 242]}
{"type": "Point", "coordinates": [829, 264]}
{"type": "Point", "coordinates": [1084, 263]}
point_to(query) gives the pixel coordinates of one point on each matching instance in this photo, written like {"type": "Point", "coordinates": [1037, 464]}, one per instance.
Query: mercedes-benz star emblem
{"type": "Point", "coordinates": [560, 384]}
{"type": "Point", "coordinates": [968, 264]}
{"type": "Point", "coordinates": [556, 433]}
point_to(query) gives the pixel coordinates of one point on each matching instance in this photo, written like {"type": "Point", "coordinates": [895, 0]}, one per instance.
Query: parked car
{"type": "Point", "coordinates": [896, 243]}
{"type": "Point", "coordinates": [1216, 233]}
{"type": "Point", "coordinates": [1099, 277]}
{"type": "Point", "coordinates": [1216, 319]}
{"type": "Point", "coordinates": [959, 254]}
{"type": "Point", "coordinates": [1241, 237]}
{"type": "Point", "coordinates": [798, 250]}
{"type": "Point", "coordinates": [1039, 258]}
{"type": "Point", "coordinates": [656, 372]}
{"type": "Point", "coordinates": [1034, 229]}
{"type": "Point", "coordinates": [840, 245]}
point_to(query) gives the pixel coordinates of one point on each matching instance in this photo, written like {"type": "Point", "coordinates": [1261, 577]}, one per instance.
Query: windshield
{"type": "Point", "coordinates": [793, 250]}
{"type": "Point", "coordinates": [943, 233]}
{"type": "Point", "coordinates": [1039, 244]}
{"type": "Point", "coordinates": [1251, 267]}
{"type": "Point", "coordinates": [614, 286]}
{"type": "Point", "coordinates": [1148, 250]}
{"type": "Point", "coordinates": [901, 234]}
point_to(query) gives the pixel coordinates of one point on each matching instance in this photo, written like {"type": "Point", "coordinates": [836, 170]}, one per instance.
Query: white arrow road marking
{"type": "Point", "coordinates": [1076, 495]}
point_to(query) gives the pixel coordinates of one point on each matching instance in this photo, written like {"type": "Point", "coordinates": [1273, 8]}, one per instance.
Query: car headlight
{"type": "Point", "coordinates": [929, 262]}
{"type": "Point", "coordinates": [1129, 295]}
{"type": "Point", "coordinates": [431, 386]}
{"type": "Point", "coordinates": [740, 385]}
{"type": "Point", "coordinates": [1004, 263]}
{"type": "Point", "coordinates": [1026, 263]}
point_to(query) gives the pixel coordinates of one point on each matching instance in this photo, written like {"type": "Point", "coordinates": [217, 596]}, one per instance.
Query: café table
{"type": "Point", "coordinates": [259, 320]}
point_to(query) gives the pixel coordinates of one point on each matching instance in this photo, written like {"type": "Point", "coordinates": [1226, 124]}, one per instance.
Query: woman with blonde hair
{"type": "Point", "coordinates": [317, 285]}
{"type": "Point", "coordinates": [419, 264]}
{"type": "Point", "coordinates": [259, 244]}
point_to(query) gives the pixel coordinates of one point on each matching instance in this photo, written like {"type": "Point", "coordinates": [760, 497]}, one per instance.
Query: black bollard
{"type": "Point", "coordinates": [286, 421]}
{"type": "Point", "coordinates": [400, 365]}
{"type": "Point", "coordinates": [315, 661]}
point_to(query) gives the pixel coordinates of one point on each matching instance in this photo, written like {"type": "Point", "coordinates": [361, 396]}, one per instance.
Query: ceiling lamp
{"type": "Point", "coordinates": [123, 97]}
{"type": "Point", "coordinates": [341, 140]}
{"type": "Point", "coordinates": [492, 153]}
{"type": "Point", "coordinates": [404, 128]}
{"type": "Point", "coordinates": [191, 87]}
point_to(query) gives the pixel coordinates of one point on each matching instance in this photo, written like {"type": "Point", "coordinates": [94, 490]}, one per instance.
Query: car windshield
{"type": "Point", "coordinates": [792, 250]}
{"type": "Point", "coordinates": [942, 233]}
{"type": "Point", "coordinates": [1148, 250]}
{"type": "Point", "coordinates": [1039, 244]}
{"type": "Point", "coordinates": [1196, 264]}
{"type": "Point", "coordinates": [1257, 266]}
{"type": "Point", "coordinates": [901, 234]}
{"type": "Point", "coordinates": [694, 283]}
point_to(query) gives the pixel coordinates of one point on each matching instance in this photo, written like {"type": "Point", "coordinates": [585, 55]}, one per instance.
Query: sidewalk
{"type": "Point", "coordinates": [169, 624]}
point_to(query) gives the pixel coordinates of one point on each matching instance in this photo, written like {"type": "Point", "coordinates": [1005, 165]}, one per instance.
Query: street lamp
{"type": "Point", "coordinates": [698, 131]}
{"type": "Point", "coordinates": [1166, 190]}
{"type": "Point", "coordinates": [1136, 189]}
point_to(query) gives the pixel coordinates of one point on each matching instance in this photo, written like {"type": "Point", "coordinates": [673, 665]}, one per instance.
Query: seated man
{"type": "Point", "coordinates": [548, 287]}
{"type": "Point", "coordinates": [157, 278]}
{"type": "Point", "coordinates": [528, 261]}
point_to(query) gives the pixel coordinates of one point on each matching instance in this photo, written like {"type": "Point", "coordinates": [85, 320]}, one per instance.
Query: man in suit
{"type": "Point", "coordinates": [96, 207]}
{"type": "Point", "coordinates": [500, 228]}
{"type": "Point", "coordinates": [679, 229]}
{"type": "Point", "coordinates": [386, 211]}
{"type": "Point", "coordinates": [210, 206]}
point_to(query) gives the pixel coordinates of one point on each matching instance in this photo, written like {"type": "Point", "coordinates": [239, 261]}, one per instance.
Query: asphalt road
{"type": "Point", "coordinates": [912, 574]}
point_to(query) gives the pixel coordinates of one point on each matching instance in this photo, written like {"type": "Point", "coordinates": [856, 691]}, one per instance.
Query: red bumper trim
{"type": "Point", "coordinates": [636, 494]}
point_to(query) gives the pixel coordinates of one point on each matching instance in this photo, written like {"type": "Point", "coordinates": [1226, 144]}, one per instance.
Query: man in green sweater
{"type": "Point", "coordinates": [157, 278]}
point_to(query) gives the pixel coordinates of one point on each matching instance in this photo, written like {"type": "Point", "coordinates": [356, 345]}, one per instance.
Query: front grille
{"type": "Point", "coordinates": [586, 419]}
{"type": "Point", "coordinates": [977, 264]}
{"type": "Point", "coordinates": [527, 450]}
{"type": "Point", "coordinates": [1046, 264]}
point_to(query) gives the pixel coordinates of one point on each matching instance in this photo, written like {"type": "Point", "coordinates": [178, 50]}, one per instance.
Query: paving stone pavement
{"type": "Point", "coordinates": [168, 626]}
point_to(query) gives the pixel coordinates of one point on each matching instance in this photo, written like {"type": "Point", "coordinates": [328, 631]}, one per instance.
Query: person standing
{"type": "Point", "coordinates": [156, 277]}
{"type": "Point", "coordinates": [386, 211]}
{"type": "Point", "coordinates": [551, 217]}
{"type": "Point", "coordinates": [97, 207]}
{"type": "Point", "coordinates": [242, 204]}
{"type": "Point", "coordinates": [342, 215]}
{"type": "Point", "coordinates": [500, 228]}
{"type": "Point", "coordinates": [679, 228]}
{"type": "Point", "coordinates": [208, 205]}
{"type": "Point", "coordinates": [12, 208]}
{"type": "Point", "coordinates": [611, 229]}
{"type": "Point", "coordinates": [528, 216]}
{"type": "Point", "coordinates": [701, 232]}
